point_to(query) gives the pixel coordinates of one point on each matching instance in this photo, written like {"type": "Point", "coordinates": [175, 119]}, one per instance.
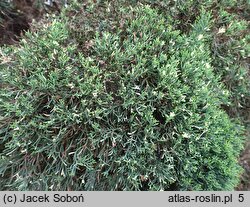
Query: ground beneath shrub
{"type": "Point", "coordinates": [17, 19]}
{"type": "Point", "coordinates": [15, 26]}
{"type": "Point", "coordinates": [245, 163]}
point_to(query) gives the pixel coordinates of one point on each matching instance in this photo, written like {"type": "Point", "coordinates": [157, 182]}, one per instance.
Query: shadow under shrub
{"type": "Point", "coordinates": [140, 111]}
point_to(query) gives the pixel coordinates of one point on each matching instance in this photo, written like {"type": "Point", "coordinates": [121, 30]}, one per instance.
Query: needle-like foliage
{"type": "Point", "coordinates": [136, 106]}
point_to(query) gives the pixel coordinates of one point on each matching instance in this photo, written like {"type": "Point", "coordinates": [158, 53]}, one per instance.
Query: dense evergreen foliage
{"type": "Point", "coordinates": [125, 102]}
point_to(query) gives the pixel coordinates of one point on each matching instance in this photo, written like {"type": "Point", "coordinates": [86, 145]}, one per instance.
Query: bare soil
{"type": "Point", "coordinates": [245, 163]}
{"type": "Point", "coordinates": [15, 24]}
